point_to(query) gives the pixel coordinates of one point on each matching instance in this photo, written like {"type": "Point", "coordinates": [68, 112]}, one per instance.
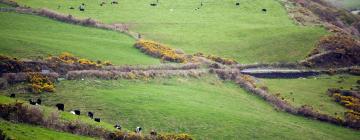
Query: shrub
{"type": "Point", "coordinates": [8, 65]}
{"type": "Point", "coordinates": [160, 51]}
{"type": "Point", "coordinates": [40, 83]}
{"type": "Point", "coordinates": [69, 58]}
{"type": "Point", "coordinates": [135, 74]}
{"type": "Point", "coordinates": [337, 50]}
{"type": "Point", "coordinates": [352, 119]}
{"type": "Point", "coordinates": [225, 61]}
{"type": "Point", "coordinates": [21, 113]}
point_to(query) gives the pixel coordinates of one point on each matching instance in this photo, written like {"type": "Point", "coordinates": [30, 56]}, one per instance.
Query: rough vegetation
{"type": "Point", "coordinates": [40, 83]}
{"type": "Point", "coordinates": [338, 50]}
{"type": "Point", "coordinates": [225, 61]}
{"type": "Point", "coordinates": [160, 51]}
{"type": "Point", "coordinates": [334, 19]}
{"type": "Point", "coordinates": [350, 100]}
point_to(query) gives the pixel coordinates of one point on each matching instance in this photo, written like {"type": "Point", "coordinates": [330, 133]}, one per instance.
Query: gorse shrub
{"type": "Point", "coordinates": [337, 50]}
{"type": "Point", "coordinates": [160, 51]}
{"type": "Point", "coordinates": [353, 118]}
{"type": "Point", "coordinates": [40, 83]}
{"type": "Point", "coordinates": [69, 58]}
{"type": "Point", "coordinates": [225, 61]}
{"type": "Point", "coordinates": [350, 100]}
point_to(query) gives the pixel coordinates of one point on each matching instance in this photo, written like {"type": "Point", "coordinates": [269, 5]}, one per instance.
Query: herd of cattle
{"type": "Point", "coordinates": [82, 6]}
{"type": "Point", "coordinates": [61, 107]}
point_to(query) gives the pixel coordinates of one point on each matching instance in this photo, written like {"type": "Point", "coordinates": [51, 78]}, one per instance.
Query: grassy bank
{"type": "Point", "coordinates": [28, 36]}
{"type": "Point", "coordinates": [312, 91]}
{"type": "Point", "coordinates": [206, 108]}
{"type": "Point", "coordinates": [243, 32]}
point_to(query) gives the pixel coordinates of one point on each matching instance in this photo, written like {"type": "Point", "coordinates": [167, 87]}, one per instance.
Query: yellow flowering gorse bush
{"type": "Point", "coordinates": [40, 83]}
{"type": "Point", "coordinates": [160, 51]}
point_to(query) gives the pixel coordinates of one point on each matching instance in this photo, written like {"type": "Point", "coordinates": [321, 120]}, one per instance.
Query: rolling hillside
{"type": "Point", "coordinates": [206, 108]}
{"type": "Point", "coordinates": [243, 32]}
{"type": "Point", "coordinates": [28, 36]}
{"type": "Point", "coordinates": [202, 96]}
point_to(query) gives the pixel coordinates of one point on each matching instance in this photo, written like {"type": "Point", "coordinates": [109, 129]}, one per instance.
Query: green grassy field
{"type": "Point", "coordinates": [28, 132]}
{"type": "Point", "coordinates": [28, 36]}
{"type": "Point", "coordinates": [312, 91]}
{"type": "Point", "coordinates": [219, 27]}
{"type": "Point", "coordinates": [207, 108]}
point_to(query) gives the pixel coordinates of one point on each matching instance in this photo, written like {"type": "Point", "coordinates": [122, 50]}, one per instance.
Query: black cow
{"type": "Point", "coordinates": [12, 95]}
{"type": "Point", "coordinates": [91, 115]}
{"type": "Point", "coordinates": [138, 129]}
{"type": "Point", "coordinates": [264, 10]}
{"type": "Point", "coordinates": [102, 3]}
{"type": "Point", "coordinates": [60, 107]}
{"type": "Point", "coordinates": [114, 2]}
{"type": "Point", "coordinates": [97, 119]}
{"type": "Point", "coordinates": [237, 4]}
{"type": "Point", "coordinates": [71, 8]}
{"type": "Point", "coordinates": [117, 126]}
{"type": "Point", "coordinates": [38, 101]}
{"type": "Point", "coordinates": [32, 102]}
{"type": "Point", "coordinates": [153, 4]}
{"type": "Point", "coordinates": [82, 7]}
{"type": "Point", "coordinates": [75, 112]}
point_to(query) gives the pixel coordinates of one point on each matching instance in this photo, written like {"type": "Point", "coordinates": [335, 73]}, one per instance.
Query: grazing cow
{"type": "Point", "coordinates": [153, 133]}
{"type": "Point", "coordinates": [38, 102]}
{"type": "Point", "coordinates": [153, 4]}
{"type": "Point", "coordinates": [97, 119]}
{"type": "Point", "coordinates": [60, 107]}
{"type": "Point", "coordinates": [71, 8]}
{"type": "Point", "coordinates": [75, 112]}
{"type": "Point", "coordinates": [114, 2]}
{"type": "Point", "coordinates": [32, 102]}
{"type": "Point", "coordinates": [201, 4]}
{"type": "Point", "coordinates": [138, 129]}
{"type": "Point", "coordinates": [264, 10]}
{"type": "Point", "coordinates": [117, 126]}
{"type": "Point", "coordinates": [237, 4]}
{"type": "Point", "coordinates": [91, 115]}
{"type": "Point", "coordinates": [12, 95]}
{"type": "Point", "coordinates": [102, 3]}
{"type": "Point", "coordinates": [82, 7]}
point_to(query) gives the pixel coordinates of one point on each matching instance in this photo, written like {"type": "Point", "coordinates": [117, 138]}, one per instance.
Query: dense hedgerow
{"type": "Point", "coordinates": [225, 61]}
{"type": "Point", "coordinates": [135, 74]}
{"type": "Point", "coordinates": [69, 58]}
{"type": "Point", "coordinates": [160, 51]}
